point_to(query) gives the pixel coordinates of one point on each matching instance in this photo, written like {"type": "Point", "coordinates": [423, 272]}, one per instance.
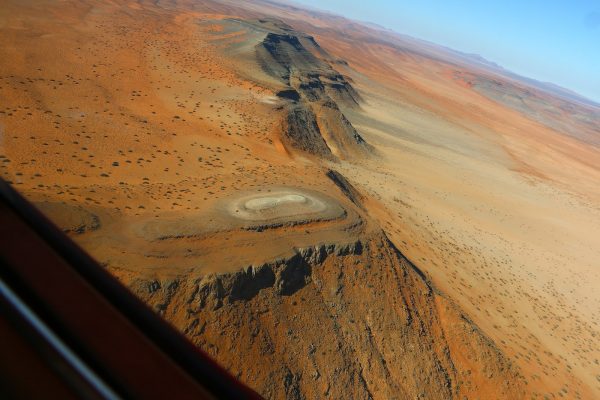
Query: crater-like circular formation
{"type": "Point", "coordinates": [281, 204]}
{"type": "Point", "coordinates": [264, 203]}
{"type": "Point", "coordinates": [271, 207]}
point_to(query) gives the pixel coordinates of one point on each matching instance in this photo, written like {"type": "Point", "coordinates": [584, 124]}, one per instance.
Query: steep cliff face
{"type": "Point", "coordinates": [335, 321]}
{"type": "Point", "coordinates": [303, 131]}
{"type": "Point", "coordinates": [314, 92]}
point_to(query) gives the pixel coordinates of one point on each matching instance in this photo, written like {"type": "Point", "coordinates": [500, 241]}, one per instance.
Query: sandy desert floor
{"type": "Point", "coordinates": [505, 217]}
{"type": "Point", "coordinates": [133, 128]}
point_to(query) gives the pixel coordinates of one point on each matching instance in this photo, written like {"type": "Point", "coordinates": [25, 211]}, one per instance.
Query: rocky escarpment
{"type": "Point", "coordinates": [346, 187]}
{"type": "Point", "coordinates": [352, 321]}
{"type": "Point", "coordinates": [313, 92]}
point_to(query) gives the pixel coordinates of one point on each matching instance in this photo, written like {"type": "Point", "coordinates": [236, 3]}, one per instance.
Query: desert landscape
{"type": "Point", "coordinates": [327, 208]}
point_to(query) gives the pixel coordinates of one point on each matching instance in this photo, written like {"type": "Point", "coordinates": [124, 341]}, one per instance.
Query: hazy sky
{"type": "Point", "coordinates": [555, 41]}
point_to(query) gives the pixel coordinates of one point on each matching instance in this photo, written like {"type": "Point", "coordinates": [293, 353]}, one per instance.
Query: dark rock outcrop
{"type": "Point", "coordinates": [314, 92]}
{"type": "Point", "coordinates": [303, 131]}
{"type": "Point", "coordinates": [346, 187]}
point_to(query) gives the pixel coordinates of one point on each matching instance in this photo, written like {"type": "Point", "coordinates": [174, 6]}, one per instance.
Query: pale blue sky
{"type": "Point", "coordinates": [551, 41]}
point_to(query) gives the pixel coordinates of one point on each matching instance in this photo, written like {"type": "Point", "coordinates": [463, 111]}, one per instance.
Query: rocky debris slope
{"type": "Point", "coordinates": [356, 321]}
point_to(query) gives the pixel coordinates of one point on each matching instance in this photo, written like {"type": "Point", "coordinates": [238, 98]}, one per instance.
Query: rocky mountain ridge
{"type": "Point", "coordinates": [354, 320]}
{"type": "Point", "coordinates": [313, 92]}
